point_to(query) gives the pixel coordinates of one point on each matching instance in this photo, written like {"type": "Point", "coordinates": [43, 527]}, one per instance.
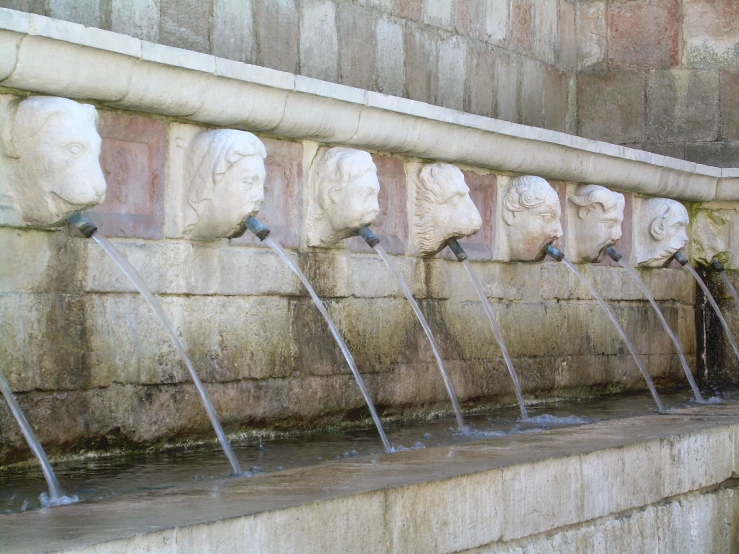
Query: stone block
{"type": "Point", "coordinates": [357, 46]}
{"type": "Point", "coordinates": [480, 95]}
{"type": "Point", "coordinates": [670, 149]}
{"type": "Point", "coordinates": [319, 49]}
{"type": "Point", "coordinates": [546, 30]}
{"type": "Point", "coordinates": [439, 13]}
{"type": "Point", "coordinates": [522, 24]}
{"type": "Point", "coordinates": [643, 34]}
{"type": "Point", "coordinates": [421, 53]}
{"type": "Point", "coordinates": [390, 57]}
{"type": "Point", "coordinates": [610, 107]}
{"type": "Point", "coordinates": [391, 226]}
{"type": "Point", "coordinates": [30, 6]}
{"type": "Point", "coordinates": [43, 341]}
{"type": "Point", "coordinates": [682, 106]}
{"type": "Point", "coordinates": [133, 162]}
{"type": "Point", "coordinates": [185, 24]}
{"type": "Point", "coordinates": [556, 90]}
{"type": "Point", "coordinates": [592, 33]}
{"type": "Point", "coordinates": [278, 37]}
{"type": "Point", "coordinates": [729, 96]}
{"type": "Point", "coordinates": [159, 264]}
{"type": "Point", "coordinates": [463, 520]}
{"type": "Point", "coordinates": [485, 20]}
{"type": "Point", "coordinates": [452, 73]}
{"type": "Point", "coordinates": [282, 208]}
{"type": "Point", "coordinates": [717, 154]}
{"type": "Point", "coordinates": [531, 92]}
{"type": "Point", "coordinates": [567, 47]}
{"type": "Point", "coordinates": [84, 12]}
{"type": "Point", "coordinates": [232, 30]}
{"type": "Point", "coordinates": [137, 18]}
{"type": "Point", "coordinates": [508, 70]}
{"type": "Point", "coordinates": [711, 33]}
{"type": "Point", "coordinates": [409, 9]}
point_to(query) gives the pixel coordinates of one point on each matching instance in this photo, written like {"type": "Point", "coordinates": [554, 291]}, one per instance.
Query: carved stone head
{"type": "Point", "coordinates": [225, 179]}
{"type": "Point", "coordinates": [50, 161]}
{"type": "Point", "coordinates": [661, 230]}
{"type": "Point", "coordinates": [442, 208]}
{"type": "Point", "coordinates": [531, 213]}
{"type": "Point", "coordinates": [596, 214]}
{"type": "Point", "coordinates": [343, 195]}
{"type": "Point", "coordinates": [710, 236]}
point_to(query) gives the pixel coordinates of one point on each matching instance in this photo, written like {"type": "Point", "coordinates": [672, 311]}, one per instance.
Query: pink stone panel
{"type": "Point", "coordinates": [133, 161]}
{"type": "Point", "coordinates": [483, 194]}
{"type": "Point", "coordinates": [391, 226]}
{"type": "Point", "coordinates": [643, 34]}
{"type": "Point", "coordinates": [283, 198]}
{"type": "Point", "coordinates": [522, 24]}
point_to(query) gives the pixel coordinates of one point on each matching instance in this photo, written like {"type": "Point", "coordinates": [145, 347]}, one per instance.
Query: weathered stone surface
{"type": "Point", "coordinates": [682, 105]}
{"type": "Point", "coordinates": [232, 30]}
{"type": "Point", "coordinates": [567, 47]}
{"type": "Point", "coordinates": [133, 159]}
{"type": "Point", "coordinates": [481, 78]}
{"type": "Point", "coordinates": [729, 95]}
{"type": "Point", "coordinates": [452, 73]}
{"type": "Point", "coordinates": [421, 53]}
{"type": "Point", "coordinates": [357, 37]}
{"type": "Point", "coordinates": [390, 56]}
{"type": "Point", "coordinates": [438, 13]}
{"type": "Point", "coordinates": [185, 24]}
{"type": "Point", "coordinates": [556, 90]}
{"type": "Point", "coordinates": [522, 24]}
{"type": "Point", "coordinates": [482, 19]}
{"type": "Point", "coordinates": [546, 30]}
{"type": "Point", "coordinates": [319, 50]}
{"type": "Point", "coordinates": [718, 154]}
{"type": "Point", "coordinates": [483, 194]}
{"type": "Point", "coordinates": [85, 12]}
{"type": "Point", "coordinates": [531, 92]}
{"type": "Point", "coordinates": [610, 107]}
{"type": "Point", "coordinates": [711, 33]}
{"type": "Point", "coordinates": [643, 34]}
{"type": "Point", "coordinates": [138, 18]}
{"type": "Point", "coordinates": [508, 74]}
{"type": "Point", "coordinates": [672, 150]}
{"type": "Point", "coordinates": [278, 38]}
{"type": "Point", "coordinates": [592, 34]}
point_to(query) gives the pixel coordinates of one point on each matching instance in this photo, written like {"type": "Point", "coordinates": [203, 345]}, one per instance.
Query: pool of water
{"type": "Point", "coordinates": [98, 478]}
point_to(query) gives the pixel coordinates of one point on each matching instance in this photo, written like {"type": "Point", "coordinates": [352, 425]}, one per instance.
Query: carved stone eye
{"type": "Point", "coordinates": [75, 149]}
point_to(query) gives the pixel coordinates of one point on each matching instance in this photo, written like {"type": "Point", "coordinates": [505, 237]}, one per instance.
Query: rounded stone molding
{"type": "Point", "coordinates": [595, 215]}
{"type": "Point", "coordinates": [660, 230]}
{"type": "Point", "coordinates": [441, 207]}
{"type": "Point", "coordinates": [49, 162]}
{"type": "Point", "coordinates": [342, 195]}
{"type": "Point", "coordinates": [530, 213]}
{"type": "Point", "coordinates": [224, 175]}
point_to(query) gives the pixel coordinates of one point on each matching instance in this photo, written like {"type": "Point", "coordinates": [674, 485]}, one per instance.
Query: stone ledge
{"type": "Point", "coordinates": [129, 73]}
{"type": "Point", "coordinates": [492, 491]}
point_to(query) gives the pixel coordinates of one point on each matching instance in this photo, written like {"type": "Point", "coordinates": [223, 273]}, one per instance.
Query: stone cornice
{"type": "Point", "coordinates": [50, 56]}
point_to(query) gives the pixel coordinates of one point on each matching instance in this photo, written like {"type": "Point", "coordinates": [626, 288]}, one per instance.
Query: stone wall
{"type": "Point", "coordinates": [509, 59]}
{"type": "Point", "coordinates": [662, 75]}
{"type": "Point", "coordinates": [92, 366]}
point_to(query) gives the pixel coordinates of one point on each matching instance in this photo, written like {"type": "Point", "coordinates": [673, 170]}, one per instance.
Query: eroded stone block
{"type": "Point", "coordinates": [711, 33]}
{"type": "Point", "coordinates": [610, 107]}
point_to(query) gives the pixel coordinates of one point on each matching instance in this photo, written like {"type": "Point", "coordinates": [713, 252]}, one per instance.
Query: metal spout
{"type": "Point", "coordinates": [682, 260]}
{"type": "Point", "coordinates": [257, 227]}
{"type": "Point", "coordinates": [717, 265]}
{"type": "Point", "coordinates": [368, 236]}
{"type": "Point", "coordinates": [83, 224]}
{"type": "Point", "coordinates": [614, 254]}
{"type": "Point", "coordinates": [457, 249]}
{"type": "Point", "coordinates": [554, 252]}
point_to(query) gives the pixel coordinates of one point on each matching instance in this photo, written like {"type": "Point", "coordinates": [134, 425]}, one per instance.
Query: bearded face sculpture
{"type": "Point", "coordinates": [531, 215]}
{"type": "Point", "coordinates": [660, 231]}
{"type": "Point", "coordinates": [596, 214]}
{"type": "Point", "coordinates": [225, 178]}
{"type": "Point", "coordinates": [343, 195]}
{"type": "Point", "coordinates": [50, 164]}
{"type": "Point", "coordinates": [442, 208]}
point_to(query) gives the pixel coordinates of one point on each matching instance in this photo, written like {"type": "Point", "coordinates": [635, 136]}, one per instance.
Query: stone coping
{"type": "Point", "coordinates": [439, 499]}
{"type": "Point", "coordinates": [122, 71]}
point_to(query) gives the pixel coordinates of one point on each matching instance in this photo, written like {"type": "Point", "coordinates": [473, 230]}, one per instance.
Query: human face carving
{"type": "Point", "coordinates": [532, 229]}
{"type": "Point", "coordinates": [355, 205]}
{"type": "Point", "coordinates": [239, 193]}
{"type": "Point", "coordinates": [596, 218]}
{"type": "Point", "coordinates": [675, 237]}
{"type": "Point", "coordinates": [662, 231]}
